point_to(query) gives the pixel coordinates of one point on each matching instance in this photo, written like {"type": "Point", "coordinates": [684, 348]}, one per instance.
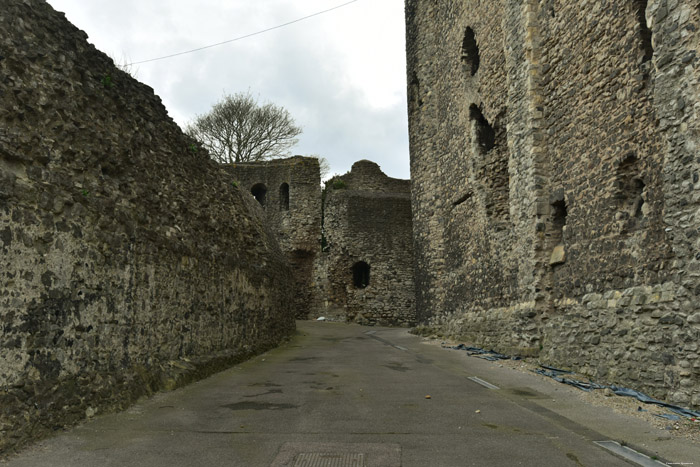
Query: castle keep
{"type": "Point", "coordinates": [554, 160]}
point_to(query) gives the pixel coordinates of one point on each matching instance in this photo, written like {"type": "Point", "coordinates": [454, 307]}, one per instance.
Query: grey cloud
{"type": "Point", "coordinates": [295, 67]}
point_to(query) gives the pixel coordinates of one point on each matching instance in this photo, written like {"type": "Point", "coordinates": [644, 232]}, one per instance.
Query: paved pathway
{"type": "Point", "coordinates": [345, 395]}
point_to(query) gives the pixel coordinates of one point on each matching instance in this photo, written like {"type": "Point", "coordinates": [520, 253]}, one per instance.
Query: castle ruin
{"type": "Point", "coordinates": [289, 193]}
{"type": "Point", "coordinates": [554, 161]}
{"type": "Point", "coordinates": [350, 247]}
{"type": "Point", "coordinates": [365, 272]}
{"type": "Point", "coordinates": [553, 211]}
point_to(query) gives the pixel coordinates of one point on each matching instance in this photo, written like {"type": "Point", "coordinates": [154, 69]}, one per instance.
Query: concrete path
{"type": "Point", "coordinates": [345, 395]}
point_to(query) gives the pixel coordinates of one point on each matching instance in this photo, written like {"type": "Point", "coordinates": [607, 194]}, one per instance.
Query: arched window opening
{"type": "Point", "coordinates": [470, 52]}
{"type": "Point", "coordinates": [485, 134]}
{"type": "Point", "coordinates": [259, 191]}
{"type": "Point", "coordinates": [360, 275]}
{"type": "Point", "coordinates": [284, 197]}
{"type": "Point", "coordinates": [644, 31]}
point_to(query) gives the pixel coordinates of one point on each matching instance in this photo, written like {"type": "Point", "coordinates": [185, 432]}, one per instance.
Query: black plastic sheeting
{"type": "Point", "coordinates": [620, 391]}
{"type": "Point", "coordinates": [668, 416]}
{"type": "Point", "coordinates": [555, 374]}
{"type": "Point", "coordinates": [558, 375]}
{"type": "Point", "coordinates": [481, 353]}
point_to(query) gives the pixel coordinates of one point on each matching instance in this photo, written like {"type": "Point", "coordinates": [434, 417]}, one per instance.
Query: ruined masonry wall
{"type": "Point", "coordinates": [555, 182]}
{"type": "Point", "coordinates": [368, 220]}
{"type": "Point", "coordinates": [292, 206]}
{"type": "Point", "coordinates": [129, 262]}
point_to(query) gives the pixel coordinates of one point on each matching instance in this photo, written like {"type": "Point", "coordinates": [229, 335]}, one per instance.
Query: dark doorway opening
{"type": "Point", "coordinates": [360, 275]}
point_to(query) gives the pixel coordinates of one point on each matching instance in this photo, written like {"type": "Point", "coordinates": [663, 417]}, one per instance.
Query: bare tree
{"type": "Point", "coordinates": [238, 129]}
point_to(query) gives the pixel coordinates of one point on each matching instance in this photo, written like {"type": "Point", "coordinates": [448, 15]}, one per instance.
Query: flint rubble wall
{"type": "Point", "coordinates": [129, 262]}
{"type": "Point", "coordinates": [554, 160]}
{"type": "Point", "coordinates": [367, 223]}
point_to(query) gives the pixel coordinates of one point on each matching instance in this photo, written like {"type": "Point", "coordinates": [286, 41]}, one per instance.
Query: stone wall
{"type": "Point", "coordinates": [129, 261]}
{"type": "Point", "coordinates": [289, 190]}
{"type": "Point", "coordinates": [365, 273]}
{"type": "Point", "coordinates": [554, 163]}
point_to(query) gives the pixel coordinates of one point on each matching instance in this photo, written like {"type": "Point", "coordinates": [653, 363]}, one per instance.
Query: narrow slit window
{"type": "Point", "coordinates": [638, 200]}
{"type": "Point", "coordinates": [470, 52]}
{"type": "Point", "coordinates": [485, 134]}
{"type": "Point", "coordinates": [414, 98]}
{"type": "Point", "coordinates": [644, 31]}
{"type": "Point", "coordinates": [284, 197]}
{"type": "Point", "coordinates": [558, 221]}
{"type": "Point", "coordinates": [558, 225]}
{"type": "Point", "coordinates": [462, 199]}
{"type": "Point", "coordinates": [630, 194]}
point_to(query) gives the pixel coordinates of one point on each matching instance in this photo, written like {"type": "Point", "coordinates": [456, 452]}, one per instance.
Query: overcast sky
{"type": "Point", "coordinates": [340, 74]}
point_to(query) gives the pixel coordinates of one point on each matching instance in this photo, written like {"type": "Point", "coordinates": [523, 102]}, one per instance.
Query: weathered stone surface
{"type": "Point", "coordinates": [289, 192]}
{"type": "Point", "coordinates": [558, 256]}
{"type": "Point", "coordinates": [578, 128]}
{"type": "Point", "coordinates": [365, 272]}
{"type": "Point", "coordinates": [365, 218]}
{"type": "Point", "coordinates": [128, 260]}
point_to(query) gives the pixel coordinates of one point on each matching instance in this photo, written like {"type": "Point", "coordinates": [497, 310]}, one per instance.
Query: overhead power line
{"type": "Point", "coordinates": [244, 37]}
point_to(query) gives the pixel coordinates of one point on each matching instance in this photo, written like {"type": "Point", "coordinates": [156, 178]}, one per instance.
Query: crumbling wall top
{"type": "Point", "coordinates": [367, 176]}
